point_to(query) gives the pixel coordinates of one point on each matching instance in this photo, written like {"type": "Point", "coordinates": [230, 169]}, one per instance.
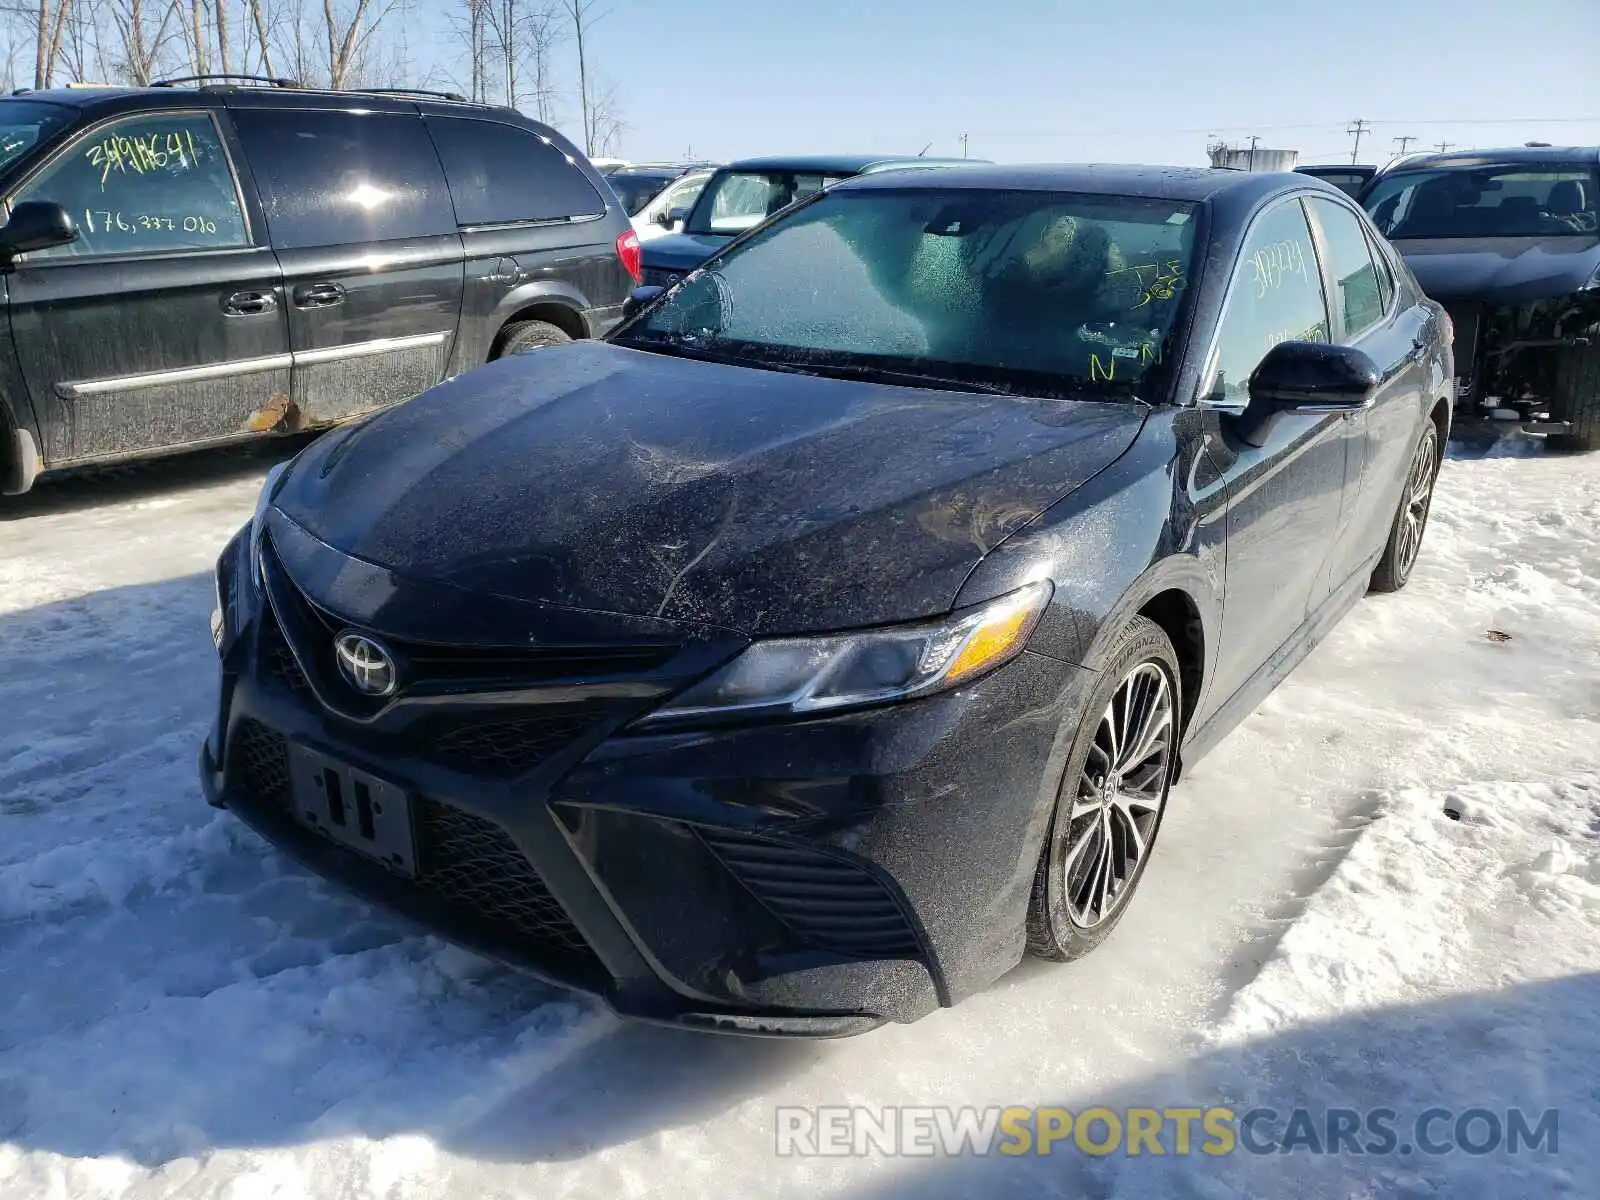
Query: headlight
{"type": "Point", "coordinates": [796, 676]}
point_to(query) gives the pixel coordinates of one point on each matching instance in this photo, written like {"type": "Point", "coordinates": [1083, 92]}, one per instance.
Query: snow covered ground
{"type": "Point", "coordinates": [1382, 891]}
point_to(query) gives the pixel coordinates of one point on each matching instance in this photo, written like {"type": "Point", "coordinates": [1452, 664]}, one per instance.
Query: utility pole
{"type": "Point", "coordinates": [1443, 146]}
{"type": "Point", "coordinates": [1357, 127]}
{"type": "Point", "coordinates": [1253, 140]}
{"type": "Point", "coordinates": [1404, 142]}
{"type": "Point", "coordinates": [963, 145]}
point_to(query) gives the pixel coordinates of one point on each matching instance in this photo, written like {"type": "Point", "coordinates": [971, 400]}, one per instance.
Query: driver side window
{"type": "Point", "coordinates": [1276, 297]}
{"type": "Point", "coordinates": [151, 183]}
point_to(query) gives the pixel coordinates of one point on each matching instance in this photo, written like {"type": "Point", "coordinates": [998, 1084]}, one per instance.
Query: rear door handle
{"type": "Point", "coordinates": [318, 295]}
{"type": "Point", "coordinates": [249, 304]}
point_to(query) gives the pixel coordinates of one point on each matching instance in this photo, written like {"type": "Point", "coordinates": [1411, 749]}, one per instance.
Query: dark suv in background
{"type": "Point", "coordinates": [1508, 241]}
{"type": "Point", "coordinates": [188, 265]}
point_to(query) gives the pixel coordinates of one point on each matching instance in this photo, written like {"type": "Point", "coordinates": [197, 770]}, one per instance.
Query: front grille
{"type": "Point", "coordinates": [500, 748]}
{"type": "Point", "coordinates": [829, 901]}
{"type": "Point", "coordinates": [467, 864]}
{"type": "Point", "coordinates": [458, 667]}
{"type": "Point", "coordinates": [278, 665]}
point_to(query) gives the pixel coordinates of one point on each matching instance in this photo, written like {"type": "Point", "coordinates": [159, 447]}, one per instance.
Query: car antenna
{"type": "Point", "coordinates": [924, 150]}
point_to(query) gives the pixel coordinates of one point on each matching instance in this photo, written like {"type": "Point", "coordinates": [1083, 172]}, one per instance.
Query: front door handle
{"type": "Point", "coordinates": [318, 295]}
{"type": "Point", "coordinates": [249, 304]}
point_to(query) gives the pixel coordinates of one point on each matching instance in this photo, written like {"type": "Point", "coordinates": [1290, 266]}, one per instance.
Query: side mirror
{"type": "Point", "coordinates": [677, 216]}
{"type": "Point", "coordinates": [663, 217]}
{"type": "Point", "coordinates": [639, 299]}
{"type": "Point", "coordinates": [1306, 377]}
{"type": "Point", "coordinates": [36, 225]}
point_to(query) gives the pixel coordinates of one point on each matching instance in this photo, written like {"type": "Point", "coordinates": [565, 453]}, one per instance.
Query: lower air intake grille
{"type": "Point", "coordinates": [278, 664]}
{"type": "Point", "coordinates": [468, 864]}
{"type": "Point", "coordinates": [473, 863]}
{"type": "Point", "coordinates": [828, 901]}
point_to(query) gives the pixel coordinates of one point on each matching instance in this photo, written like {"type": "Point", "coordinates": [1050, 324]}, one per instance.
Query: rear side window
{"type": "Point", "coordinates": [335, 178]}
{"type": "Point", "coordinates": [147, 184]}
{"type": "Point", "coordinates": [1357, 291]}
{"type": "Point", "coordinates": [500, 174]}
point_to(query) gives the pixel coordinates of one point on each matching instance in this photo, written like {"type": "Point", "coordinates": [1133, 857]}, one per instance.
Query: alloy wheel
{"type": "Point", "coordinates": [1118, 798]}
{"type": "Point", "coordinates": [1418, 496]}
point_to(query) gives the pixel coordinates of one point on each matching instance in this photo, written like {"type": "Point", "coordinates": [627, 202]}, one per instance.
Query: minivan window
{"type": "Point", "coordinates": [151, 183]}
{"type": "Point", "coordinates": [24, 124]}
{"type": "Point", "coordinates": [500, 174]}
{"type": "Point", "coordinates": [340, 178]}
{"type": "Point", "coordinates": [1506, 201]}
{"type": "Point", "coordinates": [1360, 296]}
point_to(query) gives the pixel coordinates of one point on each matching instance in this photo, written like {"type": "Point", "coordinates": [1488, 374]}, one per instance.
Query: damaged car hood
{"type": "Point", "coordinates": [1501, 271]}
{"type": "Point", "coordinates": [602, 478]}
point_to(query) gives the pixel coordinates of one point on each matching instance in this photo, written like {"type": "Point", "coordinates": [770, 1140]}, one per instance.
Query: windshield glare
{"type": "Point", "coordinates": [23, 124]}
{"type": "Point", "coordinates": [1037, 292]}
{"type": "Point", "coordinates": [738, 200]}
{"type": "Point", "coordinates": [1510, 201]}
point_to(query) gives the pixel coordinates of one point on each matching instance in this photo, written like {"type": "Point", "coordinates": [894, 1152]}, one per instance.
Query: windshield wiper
{"type": "Point", "coordinates": [894, 375]}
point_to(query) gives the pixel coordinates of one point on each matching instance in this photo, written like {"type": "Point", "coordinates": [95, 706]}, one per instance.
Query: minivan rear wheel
{"type": "Point", "coordinates": [520, 336]}
{"type": "Point", "coordinates": [1111, 799]}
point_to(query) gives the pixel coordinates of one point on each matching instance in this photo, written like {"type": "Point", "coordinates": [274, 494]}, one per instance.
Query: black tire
{"type": "Point", "coordinates": [1400, 552]}
{"type": "Point", "coordinates": [1577, 399]}
{"type": "Point", "coordinates": [521, 336]}
{"type": "Point", "coordinates": [1056, 928]}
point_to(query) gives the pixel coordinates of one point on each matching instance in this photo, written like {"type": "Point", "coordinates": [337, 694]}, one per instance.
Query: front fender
{"type": "Point", "coordinates": [1151, 523]}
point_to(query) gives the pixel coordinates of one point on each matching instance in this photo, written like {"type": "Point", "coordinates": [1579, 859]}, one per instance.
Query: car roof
{"type": "Point", "coordinates": [1504, 156]}
{"type": "Point", "coordinates": [827, 164]}
{"type": "Point", "coordinates": [1184, 184]}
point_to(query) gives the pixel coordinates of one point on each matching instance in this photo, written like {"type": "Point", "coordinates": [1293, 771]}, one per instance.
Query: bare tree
{"type": "Point", "coordinates": [523, 34]}
{"type": "Point", "coordinates": [49, 24]}
{"type": "Point", "coordinates": [144, 30]}
{"type": "Point", "coordinates": [349, 36]}
{"type": "Point", "coordinates": [605, 119]}
{"type": "Point", "coordinates": [583, 18]}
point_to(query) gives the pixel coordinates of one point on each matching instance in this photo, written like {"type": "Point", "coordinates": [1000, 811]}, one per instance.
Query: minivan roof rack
{"type": "Point", "coordinates": [226, 77]}
{"type": "Point", "coordinates": [457, 97]}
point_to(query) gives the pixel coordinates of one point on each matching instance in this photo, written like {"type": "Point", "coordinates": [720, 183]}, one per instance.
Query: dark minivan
{"type": "Point", "coordinates": [189, 265]}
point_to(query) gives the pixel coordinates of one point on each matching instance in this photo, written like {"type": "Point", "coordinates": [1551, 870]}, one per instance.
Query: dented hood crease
{"type": "Point", "coordinates": [600, 478]}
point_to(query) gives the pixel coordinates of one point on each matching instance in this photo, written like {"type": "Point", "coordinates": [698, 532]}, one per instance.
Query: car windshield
{"type": "Point", "coordinates": [24, 123]}
{"type": "Point", "coordinates": [738, 200]}
{"type": "Point", "coordinates": [1481, 202]}
{"type": "Point", "coordinates": [1033, 292]}
{"type": "Point", "coordinates": [637, 189]}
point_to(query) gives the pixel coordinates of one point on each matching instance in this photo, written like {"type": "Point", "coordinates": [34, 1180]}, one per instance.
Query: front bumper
{"type": "Point", "coordinates": [813, 877]}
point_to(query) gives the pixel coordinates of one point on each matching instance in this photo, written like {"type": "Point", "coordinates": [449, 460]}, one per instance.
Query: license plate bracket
{"type": "Point", "coordinates": [353, 808]}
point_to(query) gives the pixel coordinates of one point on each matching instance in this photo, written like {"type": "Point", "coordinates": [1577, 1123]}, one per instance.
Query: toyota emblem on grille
{"type": "Point", "coordinates": [365, 664]}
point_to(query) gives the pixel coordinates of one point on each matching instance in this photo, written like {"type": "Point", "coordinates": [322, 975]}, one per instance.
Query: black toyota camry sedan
{"type": "Point", "coordinates": [828, 636]}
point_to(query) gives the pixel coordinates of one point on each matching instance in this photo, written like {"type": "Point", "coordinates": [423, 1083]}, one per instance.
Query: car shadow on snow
{"type": "Point", "coordinates": [172, 985]}
{"type": "Point", "coordinates": [1532, 1047]}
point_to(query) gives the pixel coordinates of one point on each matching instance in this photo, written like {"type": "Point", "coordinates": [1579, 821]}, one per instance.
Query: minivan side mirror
{"type": "Point", "coordinates": [677, 216]}
{"type": "Point", "coordinates": [638, 299]}
{"type": "Point", "coordinates": [36, 225]}
{"type": "Point", "coordinates": [1306, 377]}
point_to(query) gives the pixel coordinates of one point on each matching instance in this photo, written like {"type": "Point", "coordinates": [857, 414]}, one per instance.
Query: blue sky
{"type": "Point", "coordinates": [1079, 80]}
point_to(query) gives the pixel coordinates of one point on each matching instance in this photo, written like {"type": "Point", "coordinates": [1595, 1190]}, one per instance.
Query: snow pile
{"type": "Point", "coordinates": [1381, 891]}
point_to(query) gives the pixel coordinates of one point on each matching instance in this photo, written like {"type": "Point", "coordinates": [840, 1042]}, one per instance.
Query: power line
{"type": "Point", "coordinates": [1358, 127]}
{"type": "Point", "coordinates": [1443, 146]}
{"type": "Point", "coordinates": [1404, 142]}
